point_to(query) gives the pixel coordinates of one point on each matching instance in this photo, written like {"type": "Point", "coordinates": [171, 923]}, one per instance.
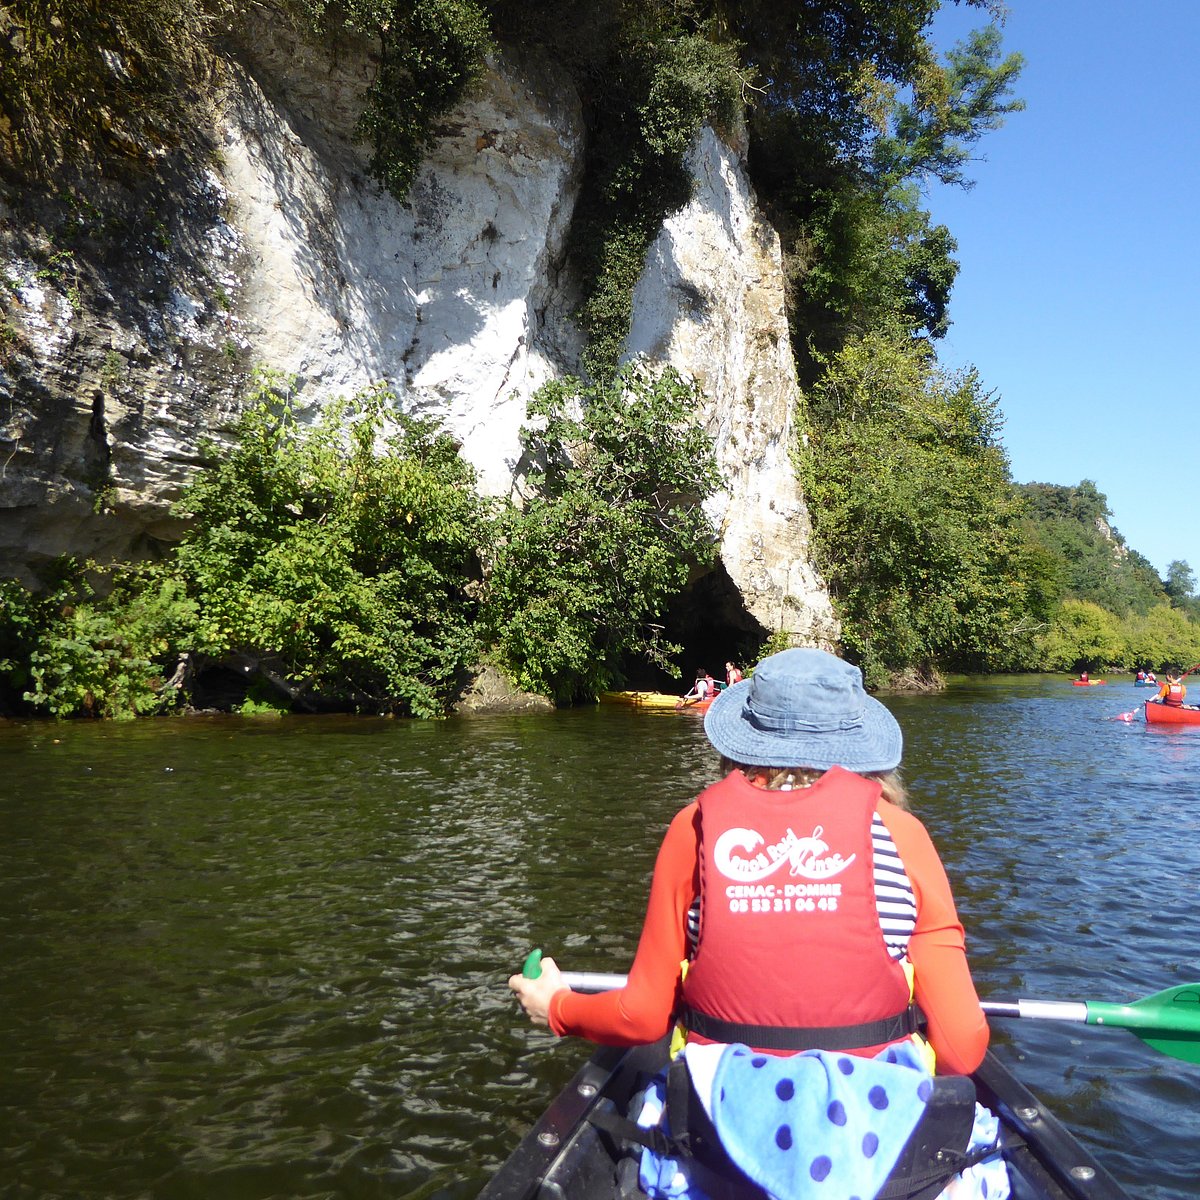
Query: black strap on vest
{"type": "Point", "coordinates": [782, 1037]}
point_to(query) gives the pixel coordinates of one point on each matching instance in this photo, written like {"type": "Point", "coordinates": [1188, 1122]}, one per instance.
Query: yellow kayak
{"type": "Point", "coordinates": [655, 700]}
{"type": "Point", "coordinates": [640, 699]}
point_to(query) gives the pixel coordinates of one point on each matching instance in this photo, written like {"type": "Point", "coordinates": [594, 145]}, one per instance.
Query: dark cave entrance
{"type": "Point", "coordinates": [709, 620]}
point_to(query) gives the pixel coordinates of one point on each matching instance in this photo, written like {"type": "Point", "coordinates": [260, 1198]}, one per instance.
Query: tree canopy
{"type": "Point", "coordinates": [915, 517]}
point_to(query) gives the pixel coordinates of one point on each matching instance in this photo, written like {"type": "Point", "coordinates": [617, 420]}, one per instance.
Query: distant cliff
{"type": "Point", "coordinates": [273, 247]}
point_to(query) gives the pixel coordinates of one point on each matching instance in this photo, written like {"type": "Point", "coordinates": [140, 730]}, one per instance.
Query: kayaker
{"type": "Point", "coordinates": [700, 690]}
{"type": "Point", "coordinates": [1173, 692]}
{"type": "Point", "coordinates": [1141, 676]}
{"type": "Point", "coordinates": [1083, 677]}
{"type": "Point", "coordinates": [800, 898]}
{"type": "Point", "coordinates": [733, 674]}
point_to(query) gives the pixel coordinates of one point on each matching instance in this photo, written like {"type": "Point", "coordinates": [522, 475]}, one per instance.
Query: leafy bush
{"type": "Point", "coordinates": [25, 617]}
{"type": "Point", "coordinates": [1161, 637]}
{"type": "Point", "coordinates": [614, 524]}
{"type": "Point", "coordinates": [1083, 636]}
{"type": "Point", "coordinates": [340, 556]}
{"type": "Point", "coordinates": [102, 650]}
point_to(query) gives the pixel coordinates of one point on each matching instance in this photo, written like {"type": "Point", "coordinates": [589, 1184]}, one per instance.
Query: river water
{"type": "Point", "coordinates": [245, 959]}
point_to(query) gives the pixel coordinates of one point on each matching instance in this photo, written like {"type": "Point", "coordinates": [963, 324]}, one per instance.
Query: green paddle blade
{"type": "Point", "coordinates": [1168, 1021]}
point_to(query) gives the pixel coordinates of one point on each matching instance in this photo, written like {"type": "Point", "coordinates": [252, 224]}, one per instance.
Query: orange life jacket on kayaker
{"type": "Point", "coordinates": [791, 954]}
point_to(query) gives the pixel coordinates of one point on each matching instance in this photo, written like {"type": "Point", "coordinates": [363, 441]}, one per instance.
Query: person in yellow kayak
{"type": "Point", "coordinates": [799, 919]}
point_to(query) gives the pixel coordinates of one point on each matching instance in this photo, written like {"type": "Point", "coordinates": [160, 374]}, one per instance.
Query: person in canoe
{"type": "Point", "coordinates": [799, 921]}
{"type": "Point", "coordinates": [1083, 677]}
{"type": "Point", "coordinates": [733, 674]}
{"type": "Point", "coordinates": [704, 687]}
{"type": "Point", "coordinates": [1173, 692]}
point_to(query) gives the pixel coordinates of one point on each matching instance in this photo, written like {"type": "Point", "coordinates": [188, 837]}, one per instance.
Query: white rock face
{"type": "Point", "coordinates": [300, 263]}
{"type": "Point", "coordinates": [440, 299]}
{"type": "Point", "coordinates": [711, 303]}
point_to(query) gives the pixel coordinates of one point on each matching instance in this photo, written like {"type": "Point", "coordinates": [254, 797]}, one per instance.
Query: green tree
{"type": "Point", "coordinates": [1083, 637]}
{"type": "Point", "coordinates": [855, 115]}
{"type": "Point", "coordinates": [1161, 637]}
{"type": "Point", "coordinates": [608, 535]}
{"type": "Point", "coordinates": [1180, 583]}
{"type": "Point", "coordinates": [915, 520]}
{"type": "Point", "coordinates": [1094, 563]}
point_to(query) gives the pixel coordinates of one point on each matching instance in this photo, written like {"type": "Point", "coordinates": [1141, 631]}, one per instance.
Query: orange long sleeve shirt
{"type": "Point", "coordinates": [642, 1011]}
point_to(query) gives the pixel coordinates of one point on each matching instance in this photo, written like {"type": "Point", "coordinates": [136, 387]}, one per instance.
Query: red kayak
{"type": "Point", "coordinates": [1171, 714]}
{"type": "Point", "coordinates": [1088, 682]}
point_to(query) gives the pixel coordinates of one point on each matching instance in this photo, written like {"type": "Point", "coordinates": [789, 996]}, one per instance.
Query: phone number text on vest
{"type": "Point", "coordinates": [791, 897]}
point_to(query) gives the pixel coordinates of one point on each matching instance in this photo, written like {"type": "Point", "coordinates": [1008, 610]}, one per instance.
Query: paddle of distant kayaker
{"type": "Point", "coordinates": [802, 897]}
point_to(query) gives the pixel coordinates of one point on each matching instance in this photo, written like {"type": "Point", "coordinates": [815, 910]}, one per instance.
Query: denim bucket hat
{"type": "Point", "coordinates": [804, 708]}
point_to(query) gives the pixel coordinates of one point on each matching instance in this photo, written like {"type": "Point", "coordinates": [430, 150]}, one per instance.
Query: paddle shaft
{"type": "Point", "coordinates": [1088, 1012]}
{"type": "Point", "coordinates": [1168, 1021]}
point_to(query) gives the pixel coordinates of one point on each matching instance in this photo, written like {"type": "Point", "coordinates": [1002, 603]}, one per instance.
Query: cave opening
{"type": "Point", "coordinates": [709, 620]}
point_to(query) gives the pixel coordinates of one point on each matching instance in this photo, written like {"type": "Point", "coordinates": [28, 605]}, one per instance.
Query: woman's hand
{"type": "Point", "coordinates": [535, 994]}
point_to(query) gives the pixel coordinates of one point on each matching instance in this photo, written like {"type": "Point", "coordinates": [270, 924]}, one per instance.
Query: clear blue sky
{"type": "Point", "coordinates": [1078, 294]}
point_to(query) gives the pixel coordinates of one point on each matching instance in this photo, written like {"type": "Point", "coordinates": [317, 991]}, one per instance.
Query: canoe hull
{"type": "Point", "coordinates": [1088, 682]}
{"type": "Point", "coordinates": [640, 699]}
{"type": "Point", "coordinates": [565, 1156]}
{"type": "Point", "coordinates": [1167, 714]}
{"type": "Point", "coordinates": [656, 700]}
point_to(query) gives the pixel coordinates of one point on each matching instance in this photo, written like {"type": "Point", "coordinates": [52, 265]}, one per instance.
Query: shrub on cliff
{"type": "Point", "coordinates": [581, 573]}
{"type": "Point", "coordinates": [340, 554]}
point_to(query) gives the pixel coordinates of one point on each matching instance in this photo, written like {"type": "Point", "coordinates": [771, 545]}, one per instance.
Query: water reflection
{"type": "Point", "coordinates": [262, 959]}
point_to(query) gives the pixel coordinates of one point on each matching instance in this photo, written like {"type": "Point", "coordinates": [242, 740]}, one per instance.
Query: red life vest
{"type": "Point", "coordinates": [1175, 694]}
{"type": "Point", "coordinates": [789, 931]}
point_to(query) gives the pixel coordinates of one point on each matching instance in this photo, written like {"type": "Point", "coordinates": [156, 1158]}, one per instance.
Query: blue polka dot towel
{"type": "Point", "coordinates": [817, 1125]}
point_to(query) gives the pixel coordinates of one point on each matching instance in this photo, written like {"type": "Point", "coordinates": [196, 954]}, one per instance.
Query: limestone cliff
{"type": "Point", "coordinates": [280, 251]}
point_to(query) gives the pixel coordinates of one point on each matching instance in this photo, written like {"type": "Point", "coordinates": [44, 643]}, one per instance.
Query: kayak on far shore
{"type": "Point", "coordinates": [653, 700]}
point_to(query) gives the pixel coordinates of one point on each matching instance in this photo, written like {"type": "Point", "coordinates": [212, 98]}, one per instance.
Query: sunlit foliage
{"type": "Point", "coordinates": [582, 572]}
{"type": "Point", "coordinates": [915, 518]}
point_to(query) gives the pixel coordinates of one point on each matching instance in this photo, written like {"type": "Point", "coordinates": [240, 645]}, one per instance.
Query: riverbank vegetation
{"type": "Point", "coordinates": [351, 564]}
